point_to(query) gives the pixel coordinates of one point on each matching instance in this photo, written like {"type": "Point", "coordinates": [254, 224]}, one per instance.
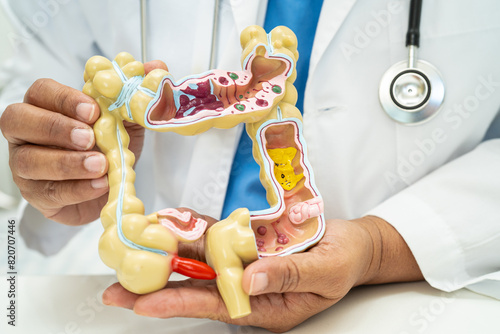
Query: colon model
{"type": "Point", "coordinates": [143, 248]}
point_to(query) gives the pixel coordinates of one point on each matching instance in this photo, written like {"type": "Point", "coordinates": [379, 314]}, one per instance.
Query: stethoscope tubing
{"type": "Point", "coordinates": [397, 110]}
{"type": "Point", "coordinates": [144, 41]}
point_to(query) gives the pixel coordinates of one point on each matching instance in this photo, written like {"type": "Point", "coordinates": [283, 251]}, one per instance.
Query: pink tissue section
{"type": "Point", "coordinates": [300, 212]}
{"type": "Point", "coordinates": [183, 224]}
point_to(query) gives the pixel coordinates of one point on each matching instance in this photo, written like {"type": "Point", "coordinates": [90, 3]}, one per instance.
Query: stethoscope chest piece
{"type": "Point", "coordinates": [411, 95]}
{"type": "Point", "coordinates": [412, 91]}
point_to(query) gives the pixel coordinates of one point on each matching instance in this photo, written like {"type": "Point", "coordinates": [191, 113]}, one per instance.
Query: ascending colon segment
{"type": "Point", "coordinates": [142, 249]}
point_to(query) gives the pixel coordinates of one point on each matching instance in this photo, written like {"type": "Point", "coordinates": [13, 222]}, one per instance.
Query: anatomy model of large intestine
{"type": "Point", "coordinates": [143, 248]}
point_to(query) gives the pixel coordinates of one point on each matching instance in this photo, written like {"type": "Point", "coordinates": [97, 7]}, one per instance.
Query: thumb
{"type": "Point", "coordinates": [293, 273]}
{"type": "Point", "coordinates": [153, 65]}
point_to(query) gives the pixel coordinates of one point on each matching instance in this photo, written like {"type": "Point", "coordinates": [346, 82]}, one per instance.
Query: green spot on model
{"type": "Point", "coordinates": [277, 89]}
{"type": "Point", "coordinates": [240, 107]}
{"type": "Point", "coordinates": [240, 97]}
{"type": "Point", "coordinates": [233, 76]}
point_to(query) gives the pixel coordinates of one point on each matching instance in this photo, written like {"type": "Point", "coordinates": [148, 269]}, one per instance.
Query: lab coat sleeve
{"type": "Point", "coordinates": [42, 234]}
{"type": "Point", "coordinates": [450, 220]}
{"type": "Point", "coordinates": [38, 232]}
{"type": "Point", "coordinates": [35, 57]}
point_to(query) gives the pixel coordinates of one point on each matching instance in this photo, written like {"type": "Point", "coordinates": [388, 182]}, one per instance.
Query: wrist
{"type": "Point", "coordinates": [372, 255]}
{"type": "Point", "coordinates": [390, 258]}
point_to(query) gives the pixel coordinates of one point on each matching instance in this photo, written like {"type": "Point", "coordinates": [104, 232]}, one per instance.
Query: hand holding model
{"type": "Point", "coordinates": [262, 96]}
{"type": "Point", "coordinates": [285, 291]}
{"type": "Point", "coordinates": [52, 152]}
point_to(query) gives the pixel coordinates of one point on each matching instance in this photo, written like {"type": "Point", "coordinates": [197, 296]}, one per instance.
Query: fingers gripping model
{"type": "Point", "coordinates": [143, 248]}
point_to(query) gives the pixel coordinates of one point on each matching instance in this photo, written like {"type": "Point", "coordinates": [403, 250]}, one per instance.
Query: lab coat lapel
{"type": "Point", "coordinates": [248, 12]}
{"type": "Point", "coordinates": [333, 14]}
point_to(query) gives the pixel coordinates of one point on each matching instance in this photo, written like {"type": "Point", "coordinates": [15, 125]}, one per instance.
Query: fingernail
{"type": "Point", "coordinates": [85, 111]}
{"type": "Point", "coordinates": [106, 299]}
{"type": "Point", "coordinates": [258, 283]}
{"type": "Point", "coordinates": [99, 183]}
{"type": "Point", "coordinates": [95, 163]}
{"type": "Point", "coordinates": [138, 311]}
{"type": "Point", "coordinates": [82, 138]}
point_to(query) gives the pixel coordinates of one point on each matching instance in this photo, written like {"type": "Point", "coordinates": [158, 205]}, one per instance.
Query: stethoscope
{"type": "Point", "coordinates": [412, 91]}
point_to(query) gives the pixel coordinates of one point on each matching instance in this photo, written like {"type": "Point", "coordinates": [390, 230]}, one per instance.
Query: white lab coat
{"type": "Point", "coordinates": [437, 183]}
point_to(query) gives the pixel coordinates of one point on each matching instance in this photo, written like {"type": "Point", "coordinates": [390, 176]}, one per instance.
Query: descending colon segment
{"type": "Point", "coordinates": [283, 169]}
{"type": "Point", "coordinates": [287, 177]}
{"type": "Point", "coordinates": [143, 248]}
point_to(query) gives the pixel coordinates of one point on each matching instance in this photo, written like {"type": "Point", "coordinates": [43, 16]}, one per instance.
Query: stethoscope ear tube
{"type": "Point", "coordinates": [144, 45]}
{"type": "Point", "coordinates": [412, 91]}
{"type": "Point", "coordinates": [144, 41]}
{"type": "Point", "coordinates": [413, 34]}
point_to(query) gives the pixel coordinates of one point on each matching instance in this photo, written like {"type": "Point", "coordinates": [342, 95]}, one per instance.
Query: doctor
{"type": "Point", "coordinates": [432, 190]}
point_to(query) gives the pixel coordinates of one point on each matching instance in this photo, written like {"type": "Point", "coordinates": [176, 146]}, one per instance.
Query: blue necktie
{"type": "Point", "coordinates": [244, 188]}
